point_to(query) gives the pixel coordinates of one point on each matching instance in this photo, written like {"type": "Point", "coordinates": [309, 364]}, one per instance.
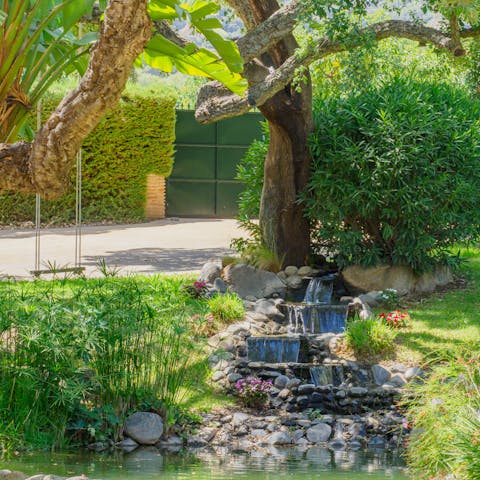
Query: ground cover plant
{"type": "Point", "coordinates": [77, 355]}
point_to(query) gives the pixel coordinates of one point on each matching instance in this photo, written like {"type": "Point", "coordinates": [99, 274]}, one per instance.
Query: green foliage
{"type": "Point", "coordinates": [37, 47]}
{"type": "Point", "coordinates": [132, 141]}
{"type": "Point", "coordinates": [372, 336]}
{"type": "Point", "coordinates": [225, 65]}
{"type": "Point", "coordinates": [226, 308]}
{"type": "Point", "coordinates": [446, 425]}
{"type": "Point", "coordinates": [77, 356]}
{"type": "Point", "coordinates": [396, 174]}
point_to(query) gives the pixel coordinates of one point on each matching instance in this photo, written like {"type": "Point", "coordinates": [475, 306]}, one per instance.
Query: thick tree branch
{"type": "Point", "coordinates": [211, 107]}
{"type": "Point", "coordinates": [46, 169]}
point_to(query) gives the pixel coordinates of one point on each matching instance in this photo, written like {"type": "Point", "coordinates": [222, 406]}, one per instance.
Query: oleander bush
{"type": "Point", "coordinates": [396, 174]}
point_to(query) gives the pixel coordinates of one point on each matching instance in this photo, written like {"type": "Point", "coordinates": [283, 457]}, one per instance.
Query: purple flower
{"type": "Point", "coordinates": [436, 401]}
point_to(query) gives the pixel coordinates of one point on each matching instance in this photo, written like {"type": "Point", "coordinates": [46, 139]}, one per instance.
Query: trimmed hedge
{"type": "Point", "coordinates": [133, 140]}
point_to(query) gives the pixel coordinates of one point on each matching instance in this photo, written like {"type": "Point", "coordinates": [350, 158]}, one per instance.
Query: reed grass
{"type": "Point", "coordinates": [70, 348]}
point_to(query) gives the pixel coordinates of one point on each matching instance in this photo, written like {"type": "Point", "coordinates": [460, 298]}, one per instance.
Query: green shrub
{"type": "Point", "coordinates": [133, 140]}
{"type": "Point", "coordinates": [396, 174]}
{"type": "Point", "coordinates": [370, 336]}
{"type": "Point", "coordinates": [77, 356]}
{"type": "Point", "coordinates": [445, 421]}
{"type": "Point", "coordinates": [226, 308]}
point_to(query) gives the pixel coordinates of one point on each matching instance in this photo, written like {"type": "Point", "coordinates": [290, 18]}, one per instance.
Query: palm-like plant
{"type": "Point", "coordinates": [37, 46]}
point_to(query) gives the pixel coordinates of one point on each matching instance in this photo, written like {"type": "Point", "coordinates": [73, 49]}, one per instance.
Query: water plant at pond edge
{"type": "Point", "coordinates": [445, 415]}
{"type": "Point", "coordinates": [74, 351]}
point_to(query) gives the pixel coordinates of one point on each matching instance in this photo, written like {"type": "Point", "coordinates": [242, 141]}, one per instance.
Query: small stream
{"type": "Point", "coordinates": [148, 464]}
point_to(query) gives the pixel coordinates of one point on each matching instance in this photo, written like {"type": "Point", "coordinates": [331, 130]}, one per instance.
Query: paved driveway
{"type": "Point", "coordinates": [170, 245]}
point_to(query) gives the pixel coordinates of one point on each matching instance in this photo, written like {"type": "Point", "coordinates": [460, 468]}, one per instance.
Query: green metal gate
{"type": "Point", "coordinates": [203, 182]}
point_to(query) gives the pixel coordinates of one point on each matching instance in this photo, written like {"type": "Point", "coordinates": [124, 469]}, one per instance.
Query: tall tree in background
{"type": "Point", "coordinates": [271, 61]}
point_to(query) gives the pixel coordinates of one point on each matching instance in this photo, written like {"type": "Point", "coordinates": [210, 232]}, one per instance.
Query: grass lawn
{"type": "Point", "coordinates": [445, 324]}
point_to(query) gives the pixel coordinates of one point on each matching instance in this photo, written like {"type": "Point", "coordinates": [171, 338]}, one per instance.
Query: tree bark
{"type": "Point", "coordinates": [283, 225]}
{"type": "Point", "coordinates": [44, 165]}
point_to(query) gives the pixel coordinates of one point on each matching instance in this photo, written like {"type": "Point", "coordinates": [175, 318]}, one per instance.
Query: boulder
{"type": "Point", "coordinates": [145, 428]}
{"type": "Point", "coordinates": [269, 309]}
{"type": "Point", "coordinates": [380, 374]}
{"type": "Point", "coordinates": [12, 475]}
{"type": "Point", "coordinates": [305, 271]}
{"type": "Point", "coordinates": [247, 281]}
{"type": "Point", "coordinates": [291, 270]}
{"type": "Point", "coordinates": [295, 281]}
{"type": "Point", "coordinates": [319, 433]}
{"type": "Point", "coordinates": [400, 278]}
{"type": "Point", "coordinates": [279, 438]}
{"type": "Point", "coordinates": [219, 285]}
{"type": "Point", "coordinates": [127, 445]}
{"type": "Point", "coordinates": [211, 270]}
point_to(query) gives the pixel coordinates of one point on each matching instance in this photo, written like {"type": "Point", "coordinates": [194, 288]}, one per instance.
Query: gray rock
{"type": "Point", "coordinates": [295, 281]}
{"type": "Point", "coordinates": [234, 377]}
{"type": "Point", "coordinates": [258, 433]}
{"type": "Point", "coordinates": [291, 270]}
{"type": "Point", "coordinates": [282, 276]}
{"type": "Point", "coordinates": [293, 383]}
{"type": "Point", "coordinates": [413, 373]}
{"type": "Point", "coordinates": [219, 285]}
{"type": "Point", "coordinates": [12, 475]}
{"type": "Point", "coordinates": [171, 441]}
{"type": "Point", "coordinates": [365, 314]}
{"type": "Point", "coordinates": [283, 394]}
{"type": "Point", "coordinates": [248, 281]}
{"type": "Point", "coordinates": [256, 317]}
{"type": "Point", "coordinates": [279, 438]}
{"type": "Point", "coordinates": [305, 271]}
{"type": "Point", "coordinates": [376, 442]}
{"type": "Point", "coordinates": [281, 381]}
{"type": "Point", "coordinates": [145, 428]}
{"type": "Point", "coordinates": [306, 389]}
{"type": "Point", "coordinates": [380, 374]}
{"type": "Point", "coordinates": [218, 375]}
{"type": "Point", "coordinates": [239, 418]}
{"type": "Point", "coordinates": [372, 298]}
{"type": "Point", "coordinates": [211, 270]}
{"type": "Point", "coordinates": [398, 380]}
{"type": "Point", "coordinates": [196, 441]}
{"type": "Point", "coordinates": [127, 445]}
{"type": "Point", "coordinates": [319, 433]}
{"type": "Point", "coordinates": [358, 391]}
{"type": "Point", "coordinates": [337, 444]}
{"type": "Point", "coordinates": [269, 309]}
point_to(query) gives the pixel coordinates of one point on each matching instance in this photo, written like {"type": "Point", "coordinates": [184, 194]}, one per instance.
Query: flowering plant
{"type": "Point", "coordinates": [253, 391]}
{"type": "Point", "coordinates": [389, 297]}
{"type": "Point", "coordinates": [396, 319]}
{"type": "Point", "coordinates": [196, 289]}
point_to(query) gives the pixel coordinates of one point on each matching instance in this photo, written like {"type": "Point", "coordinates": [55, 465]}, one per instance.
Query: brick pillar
{"type": "Point", "coordinates": [156, 195]}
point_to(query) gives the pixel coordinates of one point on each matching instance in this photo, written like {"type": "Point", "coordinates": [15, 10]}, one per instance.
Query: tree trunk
{"type": "Point", "coordinates": [44, 165]}
{"type": "Point", "coordinates": [283, 224]}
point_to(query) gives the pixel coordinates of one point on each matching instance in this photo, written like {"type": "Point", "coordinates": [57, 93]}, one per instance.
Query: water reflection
{"type": "Point", "coordinates": [262, 464]}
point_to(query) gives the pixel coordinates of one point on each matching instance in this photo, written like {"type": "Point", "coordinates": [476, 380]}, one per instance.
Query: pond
{"type": "Point", "coordinates": [148, 464]}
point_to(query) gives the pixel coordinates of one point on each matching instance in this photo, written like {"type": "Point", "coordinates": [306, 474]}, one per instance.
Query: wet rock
{"type": "Point", "coordinates": [377, 442]}
{"type": "Point", "coordinates": [319, 433]}
{"type": "Point", "coordinates": [293, 383]}
{"type": "Point", "coordinates": [295, 281]}
{"type": "Point", "coordinates": [196, 441]}
{"type": "Point", "coordinates": [306, 389]}
{"type": "Point", "coordinates": [98, 446]}
{"type": "Point", "coordinates": [145, 428]}
{"type": "Point", "coordinates": [281, 381]}
{"type": "Point", "coordinates": [269, 309]}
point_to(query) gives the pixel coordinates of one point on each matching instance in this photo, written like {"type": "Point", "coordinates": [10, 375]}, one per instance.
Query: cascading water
{"type": "Point", "coordinates": [316, 314]}
{"type": "Point", "coordinates": [273, 349]}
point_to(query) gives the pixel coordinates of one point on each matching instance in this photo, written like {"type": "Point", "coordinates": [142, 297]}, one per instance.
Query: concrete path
{"type": "Point", "coordinates": [167, 246]}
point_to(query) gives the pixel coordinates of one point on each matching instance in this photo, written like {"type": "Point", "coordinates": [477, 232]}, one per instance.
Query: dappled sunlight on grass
{"type": "Point", "coordinates": [446, 323]}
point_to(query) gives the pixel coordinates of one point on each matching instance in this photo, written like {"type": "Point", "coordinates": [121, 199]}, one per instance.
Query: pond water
{"type": "Point", "coordinates": [149, 463]}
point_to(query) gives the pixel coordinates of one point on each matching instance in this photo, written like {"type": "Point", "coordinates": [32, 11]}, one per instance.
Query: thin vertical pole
{"type": "Point", "coordinates": [78, 211]}
{"type": "Point", "coordinates": [38, 201]}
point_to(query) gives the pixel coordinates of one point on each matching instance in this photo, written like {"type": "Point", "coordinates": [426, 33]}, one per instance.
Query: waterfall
{"type": "Point", "coordinates": [319, 290]}
{"type": "Point", "coordinates": [273, 349]}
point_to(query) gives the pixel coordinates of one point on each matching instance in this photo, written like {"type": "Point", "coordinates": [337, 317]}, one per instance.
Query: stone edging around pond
{"type": "Point", "coordinates": [13, 475]}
